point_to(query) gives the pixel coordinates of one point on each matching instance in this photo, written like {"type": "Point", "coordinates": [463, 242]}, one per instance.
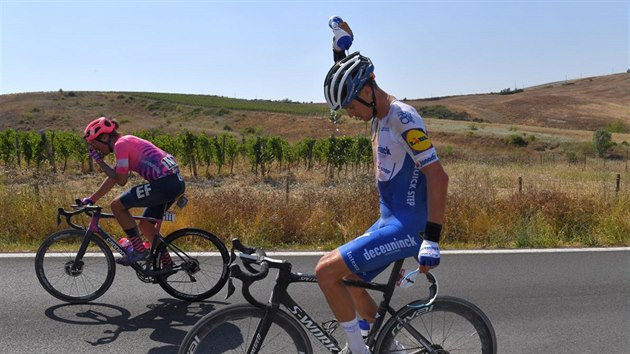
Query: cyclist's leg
{"type": "Point", "coordinates": [344, 301]}
{"type": "Point", "coordinates": [165, 191]}
{"type": "Point", "coordinates": [365, 305]}
{"type": "Point", "coordinates": [371, 253]}
{"type": "Point", "coordinates": [128, 224]}
{"type": "Point", "coordinates": [330, 271]}
{"type": "Point", "coordinates": [149, 229]}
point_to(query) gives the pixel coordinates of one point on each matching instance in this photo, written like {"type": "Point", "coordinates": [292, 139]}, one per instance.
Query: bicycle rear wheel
{"type": "Point", "coordinates": [232, 328]}
{"type": "Point", "coordinates": [201, 261]}
{"type": "Point", "coordinates": [93, 276]}
{"type": "Point", "coordinates": [450, 324]}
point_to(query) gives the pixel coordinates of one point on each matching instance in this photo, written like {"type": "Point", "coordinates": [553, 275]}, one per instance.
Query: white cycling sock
{"type": "Point", "coordinates": [353, 333]}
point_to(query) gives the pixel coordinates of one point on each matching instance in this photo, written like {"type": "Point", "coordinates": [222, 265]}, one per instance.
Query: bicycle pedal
{"type": "Point", "coordinates": [330, 326]}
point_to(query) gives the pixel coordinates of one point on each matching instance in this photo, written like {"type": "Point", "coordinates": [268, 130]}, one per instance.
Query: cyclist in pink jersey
{"type": "Point", "coordinates": [158, 167]}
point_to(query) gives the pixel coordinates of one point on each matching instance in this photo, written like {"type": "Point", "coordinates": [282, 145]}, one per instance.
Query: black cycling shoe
{"type": "Point", "coordinates": [133, 257]}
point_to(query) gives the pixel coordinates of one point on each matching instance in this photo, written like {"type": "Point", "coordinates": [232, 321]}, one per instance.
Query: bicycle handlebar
{"type": "Point", "coordinates": [246, 255]}
{"type": "Point", "coordinates": [250, 256]}
{"type": "Point", "coordinates": [78, 209]}
{"type": "Point", "coordinates": [433, 292]}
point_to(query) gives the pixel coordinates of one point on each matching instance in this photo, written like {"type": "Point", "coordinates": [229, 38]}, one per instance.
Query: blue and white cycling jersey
{"type": "Point", "coordinates": [401, 148]}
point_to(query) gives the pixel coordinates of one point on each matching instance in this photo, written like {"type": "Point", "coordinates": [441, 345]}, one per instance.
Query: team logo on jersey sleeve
{"type": "Point", "coordinates": [417, 140]}
{"type": "Point", "coordinates": [405, 118]}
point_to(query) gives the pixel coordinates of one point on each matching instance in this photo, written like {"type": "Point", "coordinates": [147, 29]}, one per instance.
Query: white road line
{"type": "Point", "coordinates": [475, 251]}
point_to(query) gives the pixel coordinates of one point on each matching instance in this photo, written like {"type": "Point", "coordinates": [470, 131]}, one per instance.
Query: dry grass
{"type": "Point", "coordinates": [573, 205]}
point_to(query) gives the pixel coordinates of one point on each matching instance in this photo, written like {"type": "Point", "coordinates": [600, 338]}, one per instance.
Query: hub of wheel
{"type": "Point", "coordinates": [73, 272]}
{"type": "Point", "coordinates": [191, 266]}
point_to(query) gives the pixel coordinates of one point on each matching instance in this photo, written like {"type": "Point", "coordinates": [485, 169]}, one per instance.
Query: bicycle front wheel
{"type": "Point", "coordinates": [201, 264]}
{"type": "Point", "coordinates": [450, 325]}
{"type": "Point", "coordinates": [232, 329]}
{"type": "Point", "coordinates": [89, 279]}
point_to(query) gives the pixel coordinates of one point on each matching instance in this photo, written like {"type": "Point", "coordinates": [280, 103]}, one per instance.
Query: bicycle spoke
{"type": "Point", "coordinates": [88, 281]}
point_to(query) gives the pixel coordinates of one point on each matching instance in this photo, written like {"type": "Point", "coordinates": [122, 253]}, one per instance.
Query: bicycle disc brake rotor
{"type": "Point", "coordinates": [191, 266]}
{"type": "Point", "coordinates": [76, 272]}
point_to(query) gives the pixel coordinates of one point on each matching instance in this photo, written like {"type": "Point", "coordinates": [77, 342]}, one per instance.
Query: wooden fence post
{"type": "Point", "coordinates": [618, 183]}
{"type": "Point", "coordinates": [287, 190]}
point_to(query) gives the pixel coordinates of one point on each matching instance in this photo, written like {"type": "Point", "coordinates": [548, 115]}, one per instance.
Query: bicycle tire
{"type": "Point", "coordinates": [89, 282]}
{"type": "Point", "coordinates": [231, 328]}
{"type": "Point", "coordinates": [451, 324]}
{"type": "Point", "coordinates": [208, 274]}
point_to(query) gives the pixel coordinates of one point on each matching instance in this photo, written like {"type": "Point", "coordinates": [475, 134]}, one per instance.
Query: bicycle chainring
{"type": "Point", "coordinates": [145, 278]}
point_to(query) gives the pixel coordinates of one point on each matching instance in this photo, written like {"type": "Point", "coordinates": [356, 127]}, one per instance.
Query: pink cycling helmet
{"type": "Point", "coordinates": [97, 127]}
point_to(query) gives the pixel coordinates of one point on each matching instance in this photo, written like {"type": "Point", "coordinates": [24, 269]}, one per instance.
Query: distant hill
{"type": "Point", "coordinates": [584, 104]}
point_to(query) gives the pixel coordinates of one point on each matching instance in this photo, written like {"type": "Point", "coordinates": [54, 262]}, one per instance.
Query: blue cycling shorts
{"type": "Point", "coordinates": [156, 196]}
{"type": "Point", "coordinates": [382, 244]}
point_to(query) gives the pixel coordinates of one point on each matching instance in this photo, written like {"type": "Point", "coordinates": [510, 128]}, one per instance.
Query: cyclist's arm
{"type": "Point", "coordinates": [105, 187]}
{"type": "Point", "coordinates": [340, 54]}
{"type": "Point", "coordinates": [118, 178]}
{"type": "Point", "coordinates": [437, 186]}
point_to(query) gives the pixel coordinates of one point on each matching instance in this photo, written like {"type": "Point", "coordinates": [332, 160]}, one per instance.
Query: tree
{"type": "Point", "coordinates": [188, 142]}
{"type": "Point", "coordinates": [206, 151]}
{"type": "Point", "coordinates": [305, 151]}
{"type": "Point", "coordinates": [232, 149]}
{"type": "Point", "coordinates": [8, 147]}
{"type": "Point", "coordinates": [602, 141]}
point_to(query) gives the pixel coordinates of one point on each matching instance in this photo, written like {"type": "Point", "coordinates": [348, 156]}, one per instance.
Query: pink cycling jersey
{"type": "Point", "coordinates": [141, 156]}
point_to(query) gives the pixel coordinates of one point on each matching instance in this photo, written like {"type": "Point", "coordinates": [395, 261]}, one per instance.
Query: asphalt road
{"type": "Point", "coordinates": [568, 302]}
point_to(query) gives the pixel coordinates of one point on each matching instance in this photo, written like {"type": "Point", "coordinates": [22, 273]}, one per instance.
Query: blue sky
{"type": "Point", "coordinates": [282, 49]}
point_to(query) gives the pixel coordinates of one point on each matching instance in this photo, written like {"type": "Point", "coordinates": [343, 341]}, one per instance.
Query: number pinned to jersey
{"type": "Point", "coordinates": [168, 216]}
{"type": "Point", "coordinates": [417, 140]}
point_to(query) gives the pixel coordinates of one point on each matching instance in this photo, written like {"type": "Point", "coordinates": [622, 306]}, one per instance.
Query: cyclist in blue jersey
{"type": "Point", "coordinates": [412, 185]}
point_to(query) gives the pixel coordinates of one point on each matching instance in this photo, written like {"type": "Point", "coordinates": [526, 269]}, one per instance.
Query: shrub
{"type": "Point", "coordinates": [516, 140]}
{"type": "Point", "coordinates": [602, 141]}
{"type": "Point", "coordinates": [441, 112]}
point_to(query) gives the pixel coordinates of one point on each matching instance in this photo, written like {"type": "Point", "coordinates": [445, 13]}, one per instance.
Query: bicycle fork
{"type": "Point", "coordinates": [77, 266]}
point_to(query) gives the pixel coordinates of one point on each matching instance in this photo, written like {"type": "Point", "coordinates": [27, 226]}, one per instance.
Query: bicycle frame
{"type": "Point", "coordinates": [315, 329]}
{"type": "Point", "coordinates": [95, 229]}
{"type": "Point", "coordinates": [280, 296]}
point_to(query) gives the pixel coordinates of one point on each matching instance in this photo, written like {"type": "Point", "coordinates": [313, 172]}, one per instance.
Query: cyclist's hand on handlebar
{"type": "Point", "coordinates": [95, 155]}
{"type": "Point", "coordinates": [429, 256]}
{"type": "Point", "coordinates": [87, 201]}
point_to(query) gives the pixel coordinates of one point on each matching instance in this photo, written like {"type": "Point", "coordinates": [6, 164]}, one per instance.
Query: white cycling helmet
{"type": "Point", "coordinates": [346, 78]}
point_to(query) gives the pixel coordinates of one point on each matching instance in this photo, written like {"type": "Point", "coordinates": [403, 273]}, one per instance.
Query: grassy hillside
{"type": "Point", "coordinates": [585, 104]}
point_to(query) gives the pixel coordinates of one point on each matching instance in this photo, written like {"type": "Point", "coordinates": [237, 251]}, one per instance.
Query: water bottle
{"type": "Point", "coordinates": [126, 245]}
{"type": "Point", "coordinates": [364, 326]}
{"type": "Point", "coordinates": [342, 40]}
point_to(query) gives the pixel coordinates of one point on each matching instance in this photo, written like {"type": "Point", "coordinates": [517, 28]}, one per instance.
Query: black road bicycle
{"type": "Point", "coordinates": [76, 265]}
{"type": "Point", "coordinates": [436, 324]}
